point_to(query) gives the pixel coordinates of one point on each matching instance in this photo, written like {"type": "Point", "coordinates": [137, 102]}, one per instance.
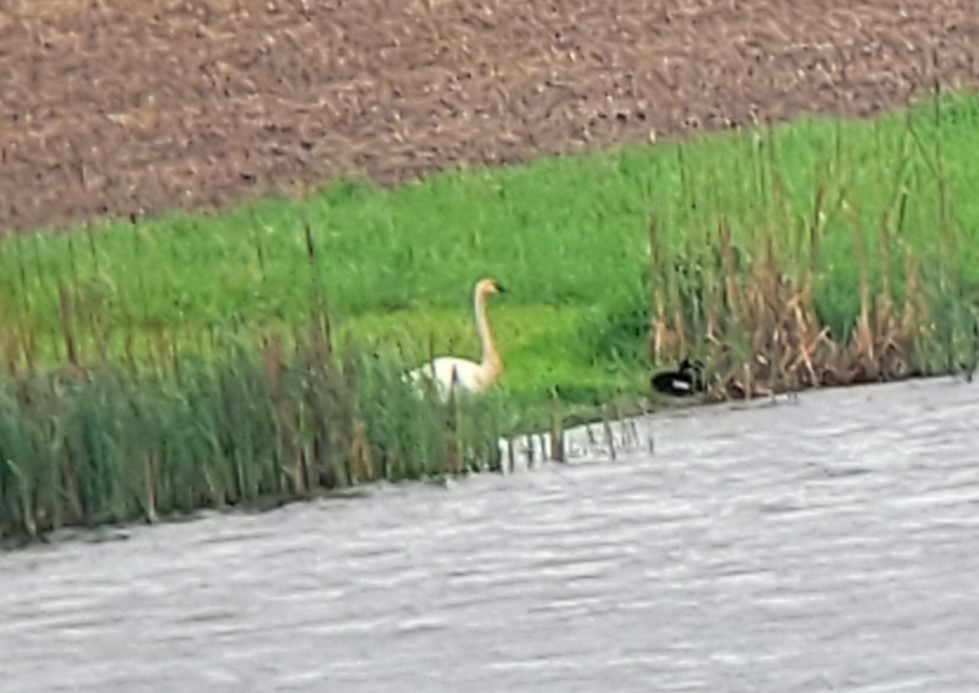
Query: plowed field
{"type": "Point", "coordinates": [120, 106]}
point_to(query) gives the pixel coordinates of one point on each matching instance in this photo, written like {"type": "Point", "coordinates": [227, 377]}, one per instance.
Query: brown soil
{"type": "Point", "coordinates": [117, 106]}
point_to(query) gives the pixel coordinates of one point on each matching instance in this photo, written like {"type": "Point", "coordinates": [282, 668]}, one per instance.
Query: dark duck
{"type": "Point", "coordinates": [686, 380]}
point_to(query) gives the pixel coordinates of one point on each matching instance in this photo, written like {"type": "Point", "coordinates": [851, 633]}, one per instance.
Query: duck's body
{"type": "Point", "coordinates": [453, 373]}
{"type": "Point", "coordinates": [686, 380]}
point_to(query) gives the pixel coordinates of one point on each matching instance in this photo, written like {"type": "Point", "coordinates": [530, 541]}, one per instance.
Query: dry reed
{"type": "Point", "coordinates": [750, 311]}
{"type": "Point", "coordinates": [100, 442]}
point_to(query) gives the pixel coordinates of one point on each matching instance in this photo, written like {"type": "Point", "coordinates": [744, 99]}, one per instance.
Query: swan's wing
{"type": "Point", "coordinates": [464, 371]}
{"type": "Point", "coordinates": [441, 371]}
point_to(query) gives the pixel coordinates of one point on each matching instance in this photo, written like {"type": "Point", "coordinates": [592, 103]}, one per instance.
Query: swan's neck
{"type": "Point", "coordinates": [492, 364]}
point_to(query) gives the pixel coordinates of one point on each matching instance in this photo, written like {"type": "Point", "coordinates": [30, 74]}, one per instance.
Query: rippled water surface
{"type": "Point", "coordinates": [827, 544]}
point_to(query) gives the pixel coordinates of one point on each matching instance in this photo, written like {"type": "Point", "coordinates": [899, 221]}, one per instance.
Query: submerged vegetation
{"type": "Point", "coordinates": [158, 366]}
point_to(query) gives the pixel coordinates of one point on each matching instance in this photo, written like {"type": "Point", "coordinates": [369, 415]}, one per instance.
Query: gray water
{"type": "Point", "coordinates": [825, 544]}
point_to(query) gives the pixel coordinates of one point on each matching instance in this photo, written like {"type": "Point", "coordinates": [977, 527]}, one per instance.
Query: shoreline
{"type": "Point", "coordinates": [768, 301]}
{"type": "Point", "coordinates": [579, 440]}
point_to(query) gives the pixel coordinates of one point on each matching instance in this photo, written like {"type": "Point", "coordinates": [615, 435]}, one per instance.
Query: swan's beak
{"type": "Point", "coordinates": [500, 289]}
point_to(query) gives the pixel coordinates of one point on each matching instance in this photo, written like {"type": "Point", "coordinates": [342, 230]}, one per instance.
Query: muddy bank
{"type": "Point", "coordinates": [111, 107]}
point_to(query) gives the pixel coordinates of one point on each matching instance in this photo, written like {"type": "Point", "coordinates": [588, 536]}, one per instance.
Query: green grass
{"type": "Point", "coordinates": [567, 235]}
{"type": "Point", "coordinates": [176, 407]}
{"type": "Point", "coordinates": [119, 445]}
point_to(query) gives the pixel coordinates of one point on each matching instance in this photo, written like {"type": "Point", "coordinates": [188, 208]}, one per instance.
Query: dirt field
{"type": "Point", "coordinates": [115, 106]}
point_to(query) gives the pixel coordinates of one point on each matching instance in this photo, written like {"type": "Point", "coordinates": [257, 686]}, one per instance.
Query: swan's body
{"type": "Point", "coordinates": [467, 374]}
{"type": "Point", "coordinates": [452, 372]}
{"type": "Point", "coordinates": [687, 380]}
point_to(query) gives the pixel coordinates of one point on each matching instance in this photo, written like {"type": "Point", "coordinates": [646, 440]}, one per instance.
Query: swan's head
{"type": "Point", "coordinates": [488, 287]}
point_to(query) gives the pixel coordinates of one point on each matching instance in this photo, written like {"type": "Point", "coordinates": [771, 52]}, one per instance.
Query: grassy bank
{"type": "Point", "coordinates": [568, 236]}
{"type": "Point", "coordinates": [866, 271]}
{"type": "Point", "coordinates": [116, 442]}
{"type": "Point", "coordinates": [821, 250]}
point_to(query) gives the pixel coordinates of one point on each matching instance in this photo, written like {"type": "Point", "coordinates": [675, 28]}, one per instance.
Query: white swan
{"type": "Point", "coordinates": [467, 375]}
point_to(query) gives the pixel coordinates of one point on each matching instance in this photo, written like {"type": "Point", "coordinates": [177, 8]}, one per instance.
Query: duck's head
{"type": "Point", "coordinates": [686, 366]}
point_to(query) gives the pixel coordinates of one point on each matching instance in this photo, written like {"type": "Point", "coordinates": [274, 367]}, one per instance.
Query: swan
{"type": "Point", "coordinates": [686, 380]}
{"type": "Point", "coordinates": [469, 376]}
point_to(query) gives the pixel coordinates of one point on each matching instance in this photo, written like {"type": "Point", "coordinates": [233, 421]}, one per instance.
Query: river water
{"type": "Point", "coordinates": [830, 543]}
